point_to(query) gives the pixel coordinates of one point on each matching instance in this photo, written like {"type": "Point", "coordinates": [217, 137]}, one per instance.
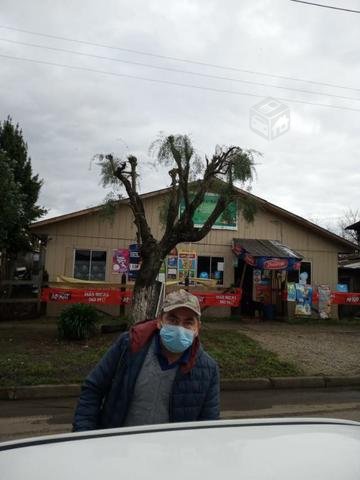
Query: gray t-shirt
{"type": "Point", "coordinates": [150, 402]}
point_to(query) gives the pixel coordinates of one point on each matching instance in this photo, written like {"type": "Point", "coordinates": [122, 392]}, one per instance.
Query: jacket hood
{"type": "Point", "coordinates": [141, 334]}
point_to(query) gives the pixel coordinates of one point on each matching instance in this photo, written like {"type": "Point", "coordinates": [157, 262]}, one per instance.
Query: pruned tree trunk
{"type": "Point", "coordinates": [144, 299]}
{"type": "Point", "coordinates": [145, 290]}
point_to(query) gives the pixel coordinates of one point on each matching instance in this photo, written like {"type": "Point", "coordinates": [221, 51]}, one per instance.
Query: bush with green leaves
{"type": "Point", "coordinates": [77, 322]}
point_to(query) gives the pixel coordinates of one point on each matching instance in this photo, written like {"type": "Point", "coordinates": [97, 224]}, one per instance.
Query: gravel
{"type": "Point", "coordinates": [316, 349]}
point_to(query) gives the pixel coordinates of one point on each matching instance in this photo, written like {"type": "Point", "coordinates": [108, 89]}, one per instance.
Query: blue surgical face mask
{"type": "Point", "coordinates": [176, 339]}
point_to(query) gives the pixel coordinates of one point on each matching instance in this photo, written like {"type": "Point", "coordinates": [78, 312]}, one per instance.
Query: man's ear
{"type": "Point", "coordinates": [158, 322]}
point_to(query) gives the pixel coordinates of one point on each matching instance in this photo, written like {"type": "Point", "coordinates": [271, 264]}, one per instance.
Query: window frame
{"type": "Point", "coordinates": [90, 262]}
{"type": "Point", "coordinates": [211, 257]}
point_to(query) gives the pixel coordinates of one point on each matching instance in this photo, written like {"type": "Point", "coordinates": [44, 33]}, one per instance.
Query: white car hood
{"type": "Point", "coordinates": [244, 449]}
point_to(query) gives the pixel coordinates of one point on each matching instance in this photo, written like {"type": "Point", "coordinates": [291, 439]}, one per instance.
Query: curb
{"type": "Point", "coordinates": [243, 384]}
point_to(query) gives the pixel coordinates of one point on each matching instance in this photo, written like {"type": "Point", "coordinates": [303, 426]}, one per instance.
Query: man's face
{"type": "Point", "coordinates": [182, 317]}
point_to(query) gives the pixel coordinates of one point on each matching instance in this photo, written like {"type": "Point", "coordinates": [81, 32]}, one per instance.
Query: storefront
{"type": "Point", "coordinates": [277, 249]}
{"type": "Point", "coordinates": [262, 274]}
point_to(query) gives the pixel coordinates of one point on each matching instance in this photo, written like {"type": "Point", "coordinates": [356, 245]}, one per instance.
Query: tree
{"type": "Point", "coordinates": [10, 199]}
{"type": "Point", "coordinates": [19, 191]}
{"type": "Point", "coordinates": [191, 178]}
{"type": "Point", "coordinates": [349, 217]}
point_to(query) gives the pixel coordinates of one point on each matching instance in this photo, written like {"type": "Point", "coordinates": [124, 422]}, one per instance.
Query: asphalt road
{"type": "Point", "coordinates": [27, 418]}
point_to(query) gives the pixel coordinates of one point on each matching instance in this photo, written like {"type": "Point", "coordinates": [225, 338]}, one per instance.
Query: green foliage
{"type": "Point", "coordinates": [177, 150]}
{"type": "Point", "coordinates": [10, 199]}
{"type": "Point", "coordinates": [77, 322]}
{"type": "Point", "coordinates": [18, 203]}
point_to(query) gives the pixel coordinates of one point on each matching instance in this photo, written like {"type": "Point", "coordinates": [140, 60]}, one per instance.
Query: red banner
{"type": "Point", "coordinates": [340, 298]}
{"type": "Point", "coordinates": [212, 299]}
{"type": "Point", "coordinates": [107, 296]}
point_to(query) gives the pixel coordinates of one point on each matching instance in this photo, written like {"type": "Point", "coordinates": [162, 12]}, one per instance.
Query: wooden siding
{"type": "Point", "coordinates": [92, 231]}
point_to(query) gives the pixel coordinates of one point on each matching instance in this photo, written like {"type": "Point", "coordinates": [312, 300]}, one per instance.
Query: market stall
{"type": "Point", "coordinates": [263, 267]}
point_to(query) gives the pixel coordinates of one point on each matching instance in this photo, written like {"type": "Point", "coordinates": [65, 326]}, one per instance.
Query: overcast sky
{"type": "Point", "coordinates": [70, 114]}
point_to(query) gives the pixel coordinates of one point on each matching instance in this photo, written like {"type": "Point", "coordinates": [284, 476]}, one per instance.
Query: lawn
{"type": "Point", "coordinates": [31, 354]}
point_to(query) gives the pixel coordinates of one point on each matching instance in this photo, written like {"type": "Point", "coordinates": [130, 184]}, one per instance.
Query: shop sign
{"type": "Point", "coordinates": [226, 221]}
{"type": "Point", "coordinates": [187, 266]}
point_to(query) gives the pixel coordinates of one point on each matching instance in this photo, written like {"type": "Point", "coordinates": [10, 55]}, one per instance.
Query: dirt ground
{"type": "Point", "coordinates": [317, 349]}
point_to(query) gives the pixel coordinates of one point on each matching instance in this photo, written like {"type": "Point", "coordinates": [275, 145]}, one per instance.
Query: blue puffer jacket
{"type": "Point", "coordinates": [108, 390]}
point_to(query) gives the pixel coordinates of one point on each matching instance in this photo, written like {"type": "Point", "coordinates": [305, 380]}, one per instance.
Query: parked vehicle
{"type": "Point", "coordinates": [289, 448]}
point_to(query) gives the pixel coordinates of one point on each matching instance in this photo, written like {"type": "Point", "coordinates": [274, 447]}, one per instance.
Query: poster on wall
{"type": "Point", "coordinates": [291, 292]}
{"type": "Point", "coordinates": [226, 221]}
{"type": "Point", "coordinates": [324, 294]}
{"type": "Point", "coordinates": [134, 261]}
{"type": "Point", "coordinates": [303, 299]}
{"type": "Point", "coordinates": [172, 267]}
{"type": "Point", "coordinates": [187, 266]}
{"type": "Point", "coordinates": [120, 261]}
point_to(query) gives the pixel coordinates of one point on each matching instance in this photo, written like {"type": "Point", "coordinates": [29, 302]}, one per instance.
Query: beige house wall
{"type": "Point", "coordinates": [92, 231]}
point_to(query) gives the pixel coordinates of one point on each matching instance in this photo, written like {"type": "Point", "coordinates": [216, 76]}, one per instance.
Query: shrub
{"type": "Point", "coordinates": [77, 322]}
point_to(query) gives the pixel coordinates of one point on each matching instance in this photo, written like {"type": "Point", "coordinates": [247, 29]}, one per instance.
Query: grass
{"type": "Point", "coordinates": [241, 357]}
{"type": "Point", "coordinates": [31, 354]}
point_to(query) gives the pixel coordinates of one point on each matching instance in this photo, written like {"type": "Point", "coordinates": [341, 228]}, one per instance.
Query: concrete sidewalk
{"type": "Point", "coordinates": [73, 390]}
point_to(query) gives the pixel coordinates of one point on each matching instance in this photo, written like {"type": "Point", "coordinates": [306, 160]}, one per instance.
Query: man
{"type": "Point", "coordinates": [156, 373]}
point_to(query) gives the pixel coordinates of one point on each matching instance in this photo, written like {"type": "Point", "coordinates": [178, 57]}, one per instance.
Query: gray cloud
{"type": "Point", "coordinates": [69, 115]}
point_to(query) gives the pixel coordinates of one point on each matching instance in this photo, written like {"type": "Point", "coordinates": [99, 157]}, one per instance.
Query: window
{"type": "Point", "coordinates": [211, 267]}
{"type": "Point", "coordinates": [90, 264]}
{"type": "Point", "coordinates": [294, 275]}
{"type": "Point", "coordinates": [306, 268]}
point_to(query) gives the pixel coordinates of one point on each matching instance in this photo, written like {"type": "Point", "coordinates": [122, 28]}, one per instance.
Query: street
{"type": "Point", "coordinates": [26, 418]}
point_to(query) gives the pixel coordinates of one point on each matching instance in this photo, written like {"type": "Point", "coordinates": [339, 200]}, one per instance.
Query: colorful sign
{"type": "Point", "coordinates": [303, 299]}
{"type": "Point", "coordinates": [226, 221]}
{"type": "Point", "coordinates": [120, 261]}
{"type": "Point", "coordinates": [291, 292]}
{"type": "Point", "coordinates": [263, 293]}
{"type": "Point", "coordinates": [266, 263]}
{"type": "Point", "coordinates": [324, 300]}
{"type": "Point", "coordinates": [187, 266]}
{"type": "Point", "coordinates": [134, 261]}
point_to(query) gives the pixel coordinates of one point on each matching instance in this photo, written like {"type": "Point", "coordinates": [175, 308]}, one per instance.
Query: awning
{"type": "Point", "coordinates": [266, 254]}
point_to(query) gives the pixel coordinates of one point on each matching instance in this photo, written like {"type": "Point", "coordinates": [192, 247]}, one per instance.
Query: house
{"type": "Point", "coordinates": [82, 244]}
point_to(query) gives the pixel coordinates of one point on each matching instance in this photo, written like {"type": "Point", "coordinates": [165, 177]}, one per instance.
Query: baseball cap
{"type": "Point", "coordinates": [181, 298]}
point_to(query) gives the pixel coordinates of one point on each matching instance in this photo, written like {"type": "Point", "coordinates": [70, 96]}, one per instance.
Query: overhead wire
{"type": "Point", "coordinates": [326, 6]}
{"type": "Point", "coordinates": [177, 59]}
{"type": "Point", "coordinates": [176, 70]}
{"type": "Point", "coordinates": [168, 82]}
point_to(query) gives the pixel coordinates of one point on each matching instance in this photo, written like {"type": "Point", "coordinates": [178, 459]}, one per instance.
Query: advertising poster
{"type": "Point", "coordinates": [187, 265]}
{"type": "Point", "coordinates": [120, 261]}
{"type": "Point", "coordinates": [134, 261]}
{"type": "Point", "coordinates": [324, 293]}
{"type": "Point", "coordinates": [291, 292]}
{"type": "Point", "coordinates": [226, 221]}
{"type": "Point", "coordinates": [303, 299]}
{"type": "Point", "coordinates": [172, 267]}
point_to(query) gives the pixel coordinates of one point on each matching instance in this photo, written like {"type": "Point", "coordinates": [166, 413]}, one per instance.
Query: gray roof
{"type": "Point", "coordinates": [266, 248]}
